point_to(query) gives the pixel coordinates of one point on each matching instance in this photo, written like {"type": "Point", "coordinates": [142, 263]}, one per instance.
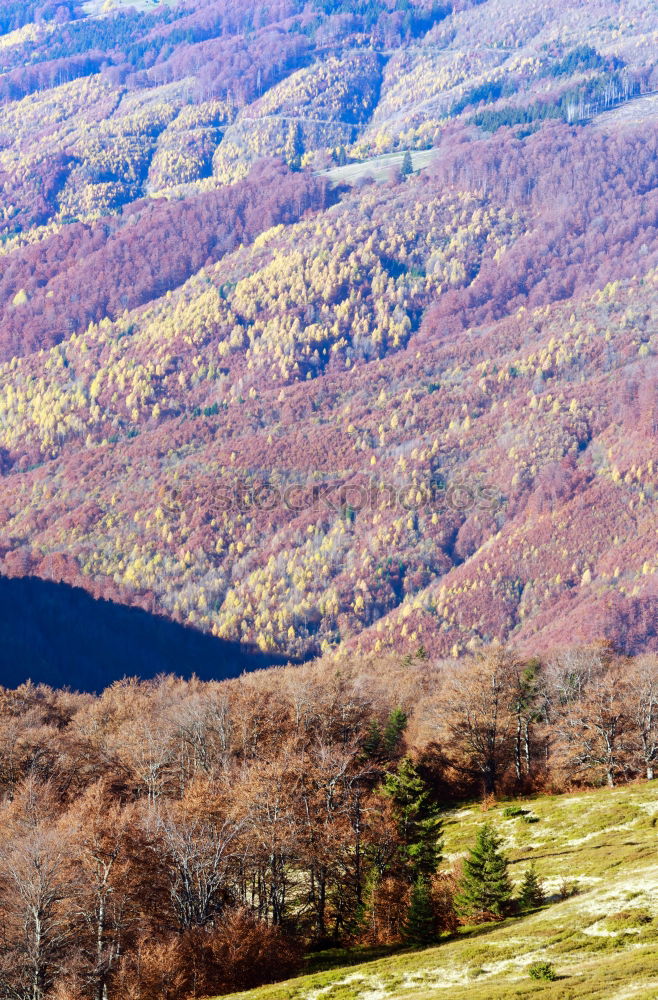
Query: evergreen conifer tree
{"type": "Point", "coordinates": [395, 727]}
{"type": "Point", "coordinates": [419, 927]}
{"type": "Point", "coordinates": [485, 886]}
{"type": "Point", "coordinates": [294, 146]}
{"type": "Point", "coordinates": [532, 890]}
{"type": "Point", "coordinates": [407, 165]}
{"type": "Point", "coordinates": [418, 816]}
{"type": "Point", "coordinates": [373, 740]}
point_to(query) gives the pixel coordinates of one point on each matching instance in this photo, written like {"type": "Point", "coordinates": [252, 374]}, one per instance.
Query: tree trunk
{"type": "Point", "coordinates": [526, 745]}
{"type": "Point", "coordinates": [357, 853]}
{"type": "Point", "coordinates": [517, 748]}
{"type": "Point", "coordinates": [37, 974]}
{"type": "Point", "coordinates": [100, 930]}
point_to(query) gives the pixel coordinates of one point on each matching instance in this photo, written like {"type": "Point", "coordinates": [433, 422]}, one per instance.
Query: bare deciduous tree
{"type": "Point", "coordinates": [590, 713]}
{"type": "Point", "coordinates": [201, 865]}
{"type": "Point", "coordinates": [479, 716]}
{"type": "Point", "coordinates": [39, 888]}
{"type": "Point", "coordinates": [642, 682]}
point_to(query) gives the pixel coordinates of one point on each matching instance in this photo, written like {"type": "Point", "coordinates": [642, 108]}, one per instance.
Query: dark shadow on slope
{"type": "Point", "coordinates": [54, 634]}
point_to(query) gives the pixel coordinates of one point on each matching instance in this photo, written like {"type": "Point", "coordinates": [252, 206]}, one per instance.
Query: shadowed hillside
{"type": "Point", "coordinates": [58, 635]}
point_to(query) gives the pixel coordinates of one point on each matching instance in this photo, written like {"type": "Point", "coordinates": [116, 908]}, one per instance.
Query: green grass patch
{"type": "Point", "coordinates": [626, 919]}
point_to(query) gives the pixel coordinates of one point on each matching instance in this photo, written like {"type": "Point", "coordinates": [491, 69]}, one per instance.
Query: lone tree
{"type": "Point", "coordinates": [407, 165]}
{"type": "Point", "coordinates": [532, 890]}
{"type": "Point", "coordinates": [294, 146]}
{"type": "Point", "coordinates": [420, 925]}
{"type": "Point", "coordinates": [485, 888]}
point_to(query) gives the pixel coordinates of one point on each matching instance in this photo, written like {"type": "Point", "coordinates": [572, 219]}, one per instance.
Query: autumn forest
{"type": "Point", "coordinates": [328, 480]}
{"type": "Point", "coordinates": [182, 839]}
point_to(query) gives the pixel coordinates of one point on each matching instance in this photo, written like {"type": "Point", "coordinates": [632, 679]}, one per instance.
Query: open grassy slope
{"type": "Point", "coordinates": [95, 7]}
{"type": "Point", "coordinates": [602, 941]}
{"type": "Point", "coordinates": [377, 167]}
{"type": "Point", "coordinates": [642, 111]}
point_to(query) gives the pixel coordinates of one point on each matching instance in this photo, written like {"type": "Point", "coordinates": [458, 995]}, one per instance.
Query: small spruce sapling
{"type": "Point", "coordinates": [419, 927]}
{"type": "Point", "coordinates": [532, 890]}
{"type": "Point", "coordinates": [542, 970]}
{"type": "Point", "coordinates": [485, 887]}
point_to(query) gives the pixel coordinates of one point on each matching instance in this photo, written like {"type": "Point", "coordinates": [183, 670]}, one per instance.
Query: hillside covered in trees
{"type": "Point", "coordinates": [177, 839]}
{"type": "Point", "coordinates": [300, 414]}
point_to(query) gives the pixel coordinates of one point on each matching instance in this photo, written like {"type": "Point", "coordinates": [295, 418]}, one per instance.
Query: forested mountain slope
{"type": "Point", "coordinates": [299, 415]}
